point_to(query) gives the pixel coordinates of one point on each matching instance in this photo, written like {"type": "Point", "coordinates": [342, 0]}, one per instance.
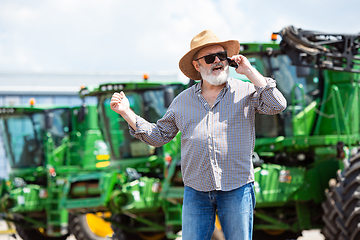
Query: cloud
{"type": "Point", "coordinates": [89, 35]}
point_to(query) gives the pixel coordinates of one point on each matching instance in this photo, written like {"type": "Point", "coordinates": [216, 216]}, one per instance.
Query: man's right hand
{"type": "Point", "coordinates": [119, 103]}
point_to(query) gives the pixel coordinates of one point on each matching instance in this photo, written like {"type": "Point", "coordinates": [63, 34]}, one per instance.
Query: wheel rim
{"type": "Point", "coordinates": [217, 223]}
{"type": "Point", "coordinates": [98, 225]}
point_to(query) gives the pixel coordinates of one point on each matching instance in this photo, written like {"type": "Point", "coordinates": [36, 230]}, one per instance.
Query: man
{"type": "Point", "coordinates": [216, 118]}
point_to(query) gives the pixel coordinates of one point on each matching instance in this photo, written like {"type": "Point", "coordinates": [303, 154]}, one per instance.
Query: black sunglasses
{"type": "Point", "coordinates": [211, 57]}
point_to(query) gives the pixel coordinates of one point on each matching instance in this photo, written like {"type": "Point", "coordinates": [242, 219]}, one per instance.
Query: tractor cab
{"type": "Point", "coordinates": [148, 100]}
{"type": "Point", "coordinates": [299, 85]}
{"type": "Point", "coordinates": [29, 132]}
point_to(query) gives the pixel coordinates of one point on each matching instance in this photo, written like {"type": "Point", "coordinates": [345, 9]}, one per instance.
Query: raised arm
{"type": "Point", "coordinates": [120, 104]}
{"type": "Point", "coordinates": [269, 99]}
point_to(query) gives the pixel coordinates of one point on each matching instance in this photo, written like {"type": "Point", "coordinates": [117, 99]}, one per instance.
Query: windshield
{"type": "Point", "coordinates": [24, 136]}
{"type": "Point", "coordinates": [298, 85]}
{"type": "Point", "coordinates": [291, 79]}
{"type": "Point", "coordinates": [288, 77]}
{"type": "Point", "coordinates": [149, 104]}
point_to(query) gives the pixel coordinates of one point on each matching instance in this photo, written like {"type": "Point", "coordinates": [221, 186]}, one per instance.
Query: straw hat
{"type": "Point", "coordinates": [204, 39]}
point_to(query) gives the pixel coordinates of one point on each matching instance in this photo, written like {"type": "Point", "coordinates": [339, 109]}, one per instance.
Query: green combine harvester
{"type": "Point", "coordinates": [62, 181]}
{"type": "Point", "coordinates": [314, 141]}
{"type": "Point", "coordinates": [45, 146]}
{"type": "Point", "coordinates": [145, 194]}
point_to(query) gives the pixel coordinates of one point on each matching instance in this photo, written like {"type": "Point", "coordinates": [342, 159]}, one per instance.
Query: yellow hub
{"type": "Point", "coordinates": [98, 225]}
{"type": "Point", "coordinates": [217, 223]}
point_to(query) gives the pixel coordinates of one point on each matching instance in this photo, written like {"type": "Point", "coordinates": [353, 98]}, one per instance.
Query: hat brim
{"type": "Point", "coordinates": [185, 64]}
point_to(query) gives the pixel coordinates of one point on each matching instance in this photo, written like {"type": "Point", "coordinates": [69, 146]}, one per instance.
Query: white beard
{"type": "Point", "coordinates": [215, 80]}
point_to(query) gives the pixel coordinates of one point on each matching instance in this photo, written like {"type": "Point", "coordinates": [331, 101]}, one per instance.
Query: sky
{"type": "Point", "coordinates": [147, 35]}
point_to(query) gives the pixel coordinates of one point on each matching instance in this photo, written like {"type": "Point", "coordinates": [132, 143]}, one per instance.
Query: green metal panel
{"type": "Point", "coordinates": [145, 195]}
{"type": "Point", "coordinates": [276, 185]}
{"type": "Point", "coordinates": [303, 122]}
{"type": "Point", "coordinates": [27, 199]}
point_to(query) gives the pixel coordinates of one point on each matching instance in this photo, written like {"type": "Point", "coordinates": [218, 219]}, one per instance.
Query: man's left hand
{"type": "Point", "coordinates": [243, 62]}
{"type": "Point", "coordinates": [249, 71]}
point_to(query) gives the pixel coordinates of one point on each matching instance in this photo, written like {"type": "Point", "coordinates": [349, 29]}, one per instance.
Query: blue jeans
{"type": "Point", "coordinates": [234, 208]}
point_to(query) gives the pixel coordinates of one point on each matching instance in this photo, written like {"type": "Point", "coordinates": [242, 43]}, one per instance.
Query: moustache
{"type": "Point", "coordinates": [219, 64]}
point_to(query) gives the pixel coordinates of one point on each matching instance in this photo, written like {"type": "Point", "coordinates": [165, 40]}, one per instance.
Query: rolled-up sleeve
{"type": "Point", "coordinates": [268, 99]}
{"type": "Point", "coordinates": [155, 134]}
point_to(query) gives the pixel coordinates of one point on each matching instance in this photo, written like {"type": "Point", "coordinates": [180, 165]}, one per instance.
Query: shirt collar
{"type": "Point", "coordinates": [199, 84]}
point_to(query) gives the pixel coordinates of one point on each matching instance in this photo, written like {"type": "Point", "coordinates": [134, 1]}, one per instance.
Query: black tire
{"type": "Point", "coordinates": [36, 234]}
{"type": "Point", "coordinates": [331, 209]}
{"type": "Point", "coordinates": [122, 234]}
{"type": "Point", "coordinates": [119, 233]}
{"type": "Point", "coordinates": [275, 235]}
{"type": "Point", "coordinates": [341, 209]}
{"type": "Point", "coordinates": [80, 228]}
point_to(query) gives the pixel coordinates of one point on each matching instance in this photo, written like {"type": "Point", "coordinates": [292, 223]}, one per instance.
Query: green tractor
{"type": "Point", "coordinates": [307, 158]}
{"type": "Point", "coordinates": [44, 145]}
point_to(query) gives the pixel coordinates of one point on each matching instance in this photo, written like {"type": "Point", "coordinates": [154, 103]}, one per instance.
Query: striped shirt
{"type": "Point", "coordinates": [217, 142]}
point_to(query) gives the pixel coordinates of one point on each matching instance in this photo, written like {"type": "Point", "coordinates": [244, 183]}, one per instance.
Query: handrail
{"type": "Point", "coordinates": [294, 101]}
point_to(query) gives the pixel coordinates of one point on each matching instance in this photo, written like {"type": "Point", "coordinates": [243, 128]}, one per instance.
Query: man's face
{"type": "Point", "coordinates": [215, 73]}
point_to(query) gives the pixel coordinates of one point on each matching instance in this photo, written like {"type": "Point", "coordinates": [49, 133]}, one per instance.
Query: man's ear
{"type": "Point", "coordinates": [196, 65]}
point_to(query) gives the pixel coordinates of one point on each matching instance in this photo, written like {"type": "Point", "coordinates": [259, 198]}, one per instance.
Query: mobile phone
{"type": "Point", "coordinates": [232, 63]}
